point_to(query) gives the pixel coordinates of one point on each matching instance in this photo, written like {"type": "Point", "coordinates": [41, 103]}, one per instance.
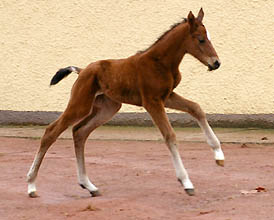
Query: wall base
{"type": "Point", "coordinates": [143, 119]}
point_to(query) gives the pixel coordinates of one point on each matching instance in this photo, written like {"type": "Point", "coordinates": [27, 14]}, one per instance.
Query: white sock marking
{"type": "Point", "coordinates": [81, 172]}
{"type": "Point", "coordinates": [188, 184]}
{"type": "Point", "coordinates": [31, 188]}
{"type": "Point", "coordinates": [181, 172]}
{"type": "Point", "coordinates": [218, 154]}
{"type": "Point", "coordinates": [212, 140]}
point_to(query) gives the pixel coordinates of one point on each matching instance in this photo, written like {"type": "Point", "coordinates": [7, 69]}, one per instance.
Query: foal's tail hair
{"type": "Point", "coordinates": [64, 72]}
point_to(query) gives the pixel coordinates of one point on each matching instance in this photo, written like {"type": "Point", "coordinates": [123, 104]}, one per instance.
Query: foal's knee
{"type": "Point", "coordinates": [170, 138]}
{"type": "Point", "coordinates": [197, 112]}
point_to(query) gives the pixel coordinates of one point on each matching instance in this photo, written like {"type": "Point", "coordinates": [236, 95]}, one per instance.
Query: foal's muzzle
{"type": "Point", "coordinates": [214, 66]}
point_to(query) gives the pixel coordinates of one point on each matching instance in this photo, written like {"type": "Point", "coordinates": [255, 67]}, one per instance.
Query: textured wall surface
{"type": "Point", "coordinates": [39, 37]}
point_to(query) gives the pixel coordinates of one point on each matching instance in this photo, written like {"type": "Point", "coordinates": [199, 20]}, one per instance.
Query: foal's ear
{"type": "Point", "coordinates": [200, 15]}
{"type": "Point", "coordinates": [191, 21]}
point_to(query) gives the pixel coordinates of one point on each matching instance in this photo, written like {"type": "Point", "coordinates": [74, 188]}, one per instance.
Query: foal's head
{"type": "Point", "coordinates": [198, 42]}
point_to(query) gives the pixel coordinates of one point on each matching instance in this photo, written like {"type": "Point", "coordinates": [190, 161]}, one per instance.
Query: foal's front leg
{"type": "Point", "coordinates": [158, 114]}
{"type": "Point", "coordinates": [179, 103]}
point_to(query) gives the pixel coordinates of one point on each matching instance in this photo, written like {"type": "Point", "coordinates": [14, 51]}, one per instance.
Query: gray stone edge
{"type": "Point", "coordinates": [8, 117]}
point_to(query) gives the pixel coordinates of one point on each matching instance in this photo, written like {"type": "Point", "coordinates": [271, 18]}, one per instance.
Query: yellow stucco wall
{"type": "Point", "coordinates": [38, 37]}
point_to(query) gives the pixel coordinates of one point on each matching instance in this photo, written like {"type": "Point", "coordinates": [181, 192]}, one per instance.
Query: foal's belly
{"type": "Point", "coordinates": [125, 95]}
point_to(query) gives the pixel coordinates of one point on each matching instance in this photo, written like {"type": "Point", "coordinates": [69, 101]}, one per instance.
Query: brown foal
{"type": "Point", "coordinates": [146, 79]}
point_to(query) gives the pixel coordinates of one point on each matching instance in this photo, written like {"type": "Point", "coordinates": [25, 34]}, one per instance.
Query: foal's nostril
{"type": "Point", "coordinates": [217, 64]}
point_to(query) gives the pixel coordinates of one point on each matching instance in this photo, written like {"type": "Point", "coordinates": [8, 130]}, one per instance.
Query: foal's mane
{"type": "Point", "coordinates": [164, 34]}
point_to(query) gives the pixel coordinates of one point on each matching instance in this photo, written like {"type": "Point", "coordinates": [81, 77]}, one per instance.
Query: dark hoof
{"type": "Point", "coordinates": [221, 163]}
{"type": "Point", "coordinates": [190, 192]}
{"type": "Point", "coordinates": [95, 193]}
{"type": "Point", "coordinates": [33, 195]}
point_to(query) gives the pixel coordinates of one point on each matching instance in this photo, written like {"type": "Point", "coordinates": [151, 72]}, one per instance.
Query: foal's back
{"type": "Point", "coordinates": [118, 79]}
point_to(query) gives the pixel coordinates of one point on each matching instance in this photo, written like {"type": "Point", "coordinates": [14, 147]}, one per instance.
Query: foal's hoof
{"type": "Point", "coordinates": [190, 192]}
{"type": "Point", "coordinates": [95, 193]}
{"type": "Point", "coordinates": [220, 163]}
{"type": "Point", "coordinates": [33, 195]}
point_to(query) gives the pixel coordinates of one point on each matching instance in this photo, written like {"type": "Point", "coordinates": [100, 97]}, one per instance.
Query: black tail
{"type": "Point", "coordinates": [62, 73]}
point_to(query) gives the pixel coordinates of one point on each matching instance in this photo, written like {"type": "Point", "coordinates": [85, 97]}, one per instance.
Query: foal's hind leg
{"type": "Point", "coordinates": [80, 103]}
{"type": "Point", "coordinates": [179, 103]}
{"type": "Point", "coordinates": [103, 110]}
{"type": "Point", "coordinates": [158, 114]}
{"type": "Point", "coordinates": [51, 134]}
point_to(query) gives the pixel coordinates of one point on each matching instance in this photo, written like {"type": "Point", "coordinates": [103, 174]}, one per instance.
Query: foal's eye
{"type": "Point", "coordinates": [201, 41]}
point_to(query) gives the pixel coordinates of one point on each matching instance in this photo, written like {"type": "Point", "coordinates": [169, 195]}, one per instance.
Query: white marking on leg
{"type": "Point", "coordinates": [212, 140]}
{"type": "Point", "coordinates": [218, 154]}
{"type": "Point", "coordinates": [85, 182]}
{"type": "Point", "coordinates": [188, 184]}
{"type": "Point", "coordinates": [31, 188]}
{"type": "Point", "coordinates": [181, 172]}
{"type": "Point", "coordinates": [81, 172]}
{"type": "Point", "coordinates": [32, 174]}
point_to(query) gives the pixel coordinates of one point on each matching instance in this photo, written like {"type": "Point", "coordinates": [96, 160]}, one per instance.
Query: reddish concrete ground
{"type": "Point", "coordinates": [137, 179]}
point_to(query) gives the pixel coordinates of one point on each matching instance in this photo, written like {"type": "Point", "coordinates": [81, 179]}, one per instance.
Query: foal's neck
{"type": "Point", "coordinates": [170, 49]}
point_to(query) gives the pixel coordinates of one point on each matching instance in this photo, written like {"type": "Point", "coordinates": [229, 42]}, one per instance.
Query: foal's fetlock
{"type": "Point", "coordinates": [93, 193]}
{"type": "Point", "coordinates": [189, 188]}
{"type": "Point", "coordinates": [31, 185]}
{"type": "Point", "coordinates": [32, 190]}
{"type": "Point", "coordinates": [219, 156]}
